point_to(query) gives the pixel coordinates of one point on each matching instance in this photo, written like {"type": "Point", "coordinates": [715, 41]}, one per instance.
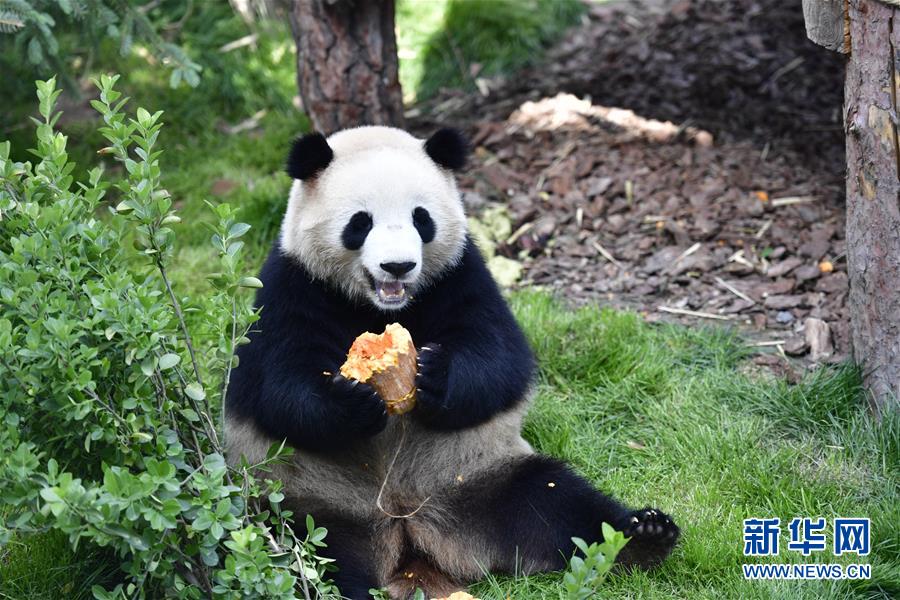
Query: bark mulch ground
{"type": "Point", "coordinates": [681, 158]}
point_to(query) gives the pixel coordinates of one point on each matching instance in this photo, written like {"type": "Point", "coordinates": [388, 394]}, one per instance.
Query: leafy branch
{"type": "Point", "coordinates": [36, 25]}
{"type": "Point", "coordinates": [587, 572]}
{"type": "Point", "coordinates": [107, 435]}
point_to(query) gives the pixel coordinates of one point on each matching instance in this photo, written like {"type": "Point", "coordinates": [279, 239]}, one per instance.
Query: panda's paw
{"type": "Point", "coordinates": [651, 525]}
{"type": "Point", "coordinates": [652, 537]}
{"type": "Point", "coordinates": [431, 378]}
{"type": "Point", "coordinates": [362, 409]}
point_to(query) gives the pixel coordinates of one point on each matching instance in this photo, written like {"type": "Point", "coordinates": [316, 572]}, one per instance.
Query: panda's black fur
{"type": "Point", "coordinates": [448, 148]}
{"type": "Point", "coordinates": [490, 503]}
{"type": "Point", "coordinates": [309, 156]}
{"type": "Point", "coordinates": [306, 327]}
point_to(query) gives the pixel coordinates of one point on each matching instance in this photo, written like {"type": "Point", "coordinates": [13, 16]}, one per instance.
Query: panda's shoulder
{"type": "Point", "coordinates": [282, 276]}
{"type": "Point", "coordinates": [466, 283]}
{"type": "Point", "coordinates": [472, 269]}
{"type": "Point", "coordinates": [289, 291]}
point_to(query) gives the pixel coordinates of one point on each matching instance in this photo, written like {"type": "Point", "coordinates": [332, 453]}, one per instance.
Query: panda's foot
{"type": "Point", "coordinates": [651, 524]}
{"type": "Point", "coordinates": [419, 574]}
{"type": "Point", "coordinates": [652, 535]}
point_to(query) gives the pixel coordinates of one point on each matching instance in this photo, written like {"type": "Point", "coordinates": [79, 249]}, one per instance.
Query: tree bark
{"type": "Point", "coordinates": [873, 197]}
{"type": "Point", "coordinates": [347, 63]}
{"type": "Point", "coordinates": [826, 24]}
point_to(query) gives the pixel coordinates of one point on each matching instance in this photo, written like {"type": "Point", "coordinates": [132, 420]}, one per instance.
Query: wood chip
{"type": "Point", "coordinates": [784, 267]}
{"type": "Point", "coordinates": [519, 233]}
{"type": "Point", "coordinates": [796, 346]}
{"type": "Point", "coordinates": [734, 290]}
{"type": "Point", "coordinates": [788, 200]}
{"type": "Point", "coordinates": [605, 254]}
{"type": "Point", "coordinates": [818, 336]}
{"type": "Point", "coordinates": [693, 313]}
{"type": "Point", "coordinates": [738, 257]}
{"type": "Point", "coordinates": [762, 230]}
{"type": "Point", "coordinates": [784, 301]}
{"type": "Point", "coordinates": [687, 252]}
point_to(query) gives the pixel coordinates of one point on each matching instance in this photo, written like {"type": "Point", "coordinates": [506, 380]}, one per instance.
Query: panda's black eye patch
{"type": "Point", "coordinates": [356, 230]}
{"type": "Point", "coordinates": [423, 224]}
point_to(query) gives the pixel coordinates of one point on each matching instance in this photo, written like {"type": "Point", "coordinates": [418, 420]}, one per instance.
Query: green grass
{"type": "Point", "coordinates": [447, 43]}
{"type": "Point", "coordinates": [44, 567]}
{"type": "Point", "coordinates": [672, 417]}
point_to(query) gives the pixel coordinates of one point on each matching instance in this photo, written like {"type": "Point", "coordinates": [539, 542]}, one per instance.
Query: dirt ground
{"type": "Point", "coordinates": [682, 158]}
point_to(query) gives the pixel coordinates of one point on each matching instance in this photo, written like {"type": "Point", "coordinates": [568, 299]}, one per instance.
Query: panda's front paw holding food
{"type": "Point", "coordinates": [362, 412]}
{"type": "Point", "coordinates": [431, 381]}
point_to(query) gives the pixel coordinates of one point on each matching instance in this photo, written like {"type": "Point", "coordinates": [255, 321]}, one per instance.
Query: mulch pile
{"type": "Point", "coordinates": [681, 158]}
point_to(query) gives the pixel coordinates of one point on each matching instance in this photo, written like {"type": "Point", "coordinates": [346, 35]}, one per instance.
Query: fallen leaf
{"type": "Point", "coordinates": [506, 271]}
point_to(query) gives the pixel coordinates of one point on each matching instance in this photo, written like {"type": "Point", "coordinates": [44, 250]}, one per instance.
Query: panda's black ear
{"type": "Point", "coordinates": [309, 156]}
{"type": "Point", "coordinates": [449, 148]}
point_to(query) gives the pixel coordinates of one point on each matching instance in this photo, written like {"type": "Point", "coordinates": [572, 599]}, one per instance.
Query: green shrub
{"type": "Point", "coordinates": [111, 383]}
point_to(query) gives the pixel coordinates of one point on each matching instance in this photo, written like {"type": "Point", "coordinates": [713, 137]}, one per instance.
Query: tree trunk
{"type": "Point", "coordinates": [347, 63]}
{"type": "Point", "coordinates": [873, 196]}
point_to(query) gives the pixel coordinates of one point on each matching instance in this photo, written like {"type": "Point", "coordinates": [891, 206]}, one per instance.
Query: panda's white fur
{"type": "Point", "coordinates": [385, 172]}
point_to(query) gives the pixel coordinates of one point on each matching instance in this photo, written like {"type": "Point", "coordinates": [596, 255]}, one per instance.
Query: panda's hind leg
{"type": "Point", "coordinates": [419, 573]}
{"type": "Point", "coordinates": [350, 546]}
{"type": "Point", "coordinates": [521, 518]}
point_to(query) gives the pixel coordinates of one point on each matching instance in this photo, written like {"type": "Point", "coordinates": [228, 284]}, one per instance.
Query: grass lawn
{"type": "Point", "coordinates": [449, 43]}
{"type": "Point", "coordinates": [671, 417]}
{"type": "Point", "coordinates": [656, 415]}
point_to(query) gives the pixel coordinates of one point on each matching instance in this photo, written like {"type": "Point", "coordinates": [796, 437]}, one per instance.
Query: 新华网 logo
{"type": "Point", "coordinates": [807, 535]}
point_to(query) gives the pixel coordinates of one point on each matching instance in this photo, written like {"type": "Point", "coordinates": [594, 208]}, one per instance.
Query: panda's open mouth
{"type": "Point", "coordinates": [388, 292]}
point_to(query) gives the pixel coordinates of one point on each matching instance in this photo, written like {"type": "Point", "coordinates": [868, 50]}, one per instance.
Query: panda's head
{"type": "Point", "coordinates": [375, 211]}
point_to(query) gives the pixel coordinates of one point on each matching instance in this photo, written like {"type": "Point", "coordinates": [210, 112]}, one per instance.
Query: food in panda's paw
{"type": "Point", "coordinates": [387, 362]}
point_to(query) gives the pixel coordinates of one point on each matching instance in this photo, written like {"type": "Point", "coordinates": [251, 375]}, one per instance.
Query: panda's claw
{"type": "Point", "coordinates": [650, 524]}
{"type": "Point", "coordinates": [360, 407]}
{"type": "Point", "coordinates": [431, 379]}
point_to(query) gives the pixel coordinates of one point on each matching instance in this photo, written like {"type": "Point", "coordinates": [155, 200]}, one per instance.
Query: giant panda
{"type": "Point", "coordinates": [375, 233]}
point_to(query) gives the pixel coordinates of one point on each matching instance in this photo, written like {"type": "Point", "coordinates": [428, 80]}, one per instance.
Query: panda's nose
{"type": "Point", "coordinates": [398, 269]}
